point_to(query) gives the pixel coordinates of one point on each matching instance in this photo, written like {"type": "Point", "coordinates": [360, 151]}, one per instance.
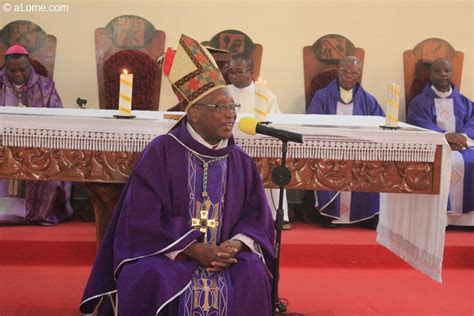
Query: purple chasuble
{"type": "Point", "coordinates": [422, 112]}
{"type": "Point", "coordinates": [362, 205]}
{"type": "Point", "coordinates": [38, 92]}
{"type": "Point", "coordinates": [32, 202]}
{"type": "Point", "coordinates": [155, 215]}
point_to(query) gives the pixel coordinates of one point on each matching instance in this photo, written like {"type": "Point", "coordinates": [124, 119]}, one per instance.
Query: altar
{"type": "Point", "coordinates": [410, 165]}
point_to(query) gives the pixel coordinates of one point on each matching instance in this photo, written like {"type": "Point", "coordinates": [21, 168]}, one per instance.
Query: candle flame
{"type": "Point", "coordinates": [125, 71]}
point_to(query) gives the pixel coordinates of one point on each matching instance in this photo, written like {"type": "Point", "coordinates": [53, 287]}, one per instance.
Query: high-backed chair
{"type": "Point", "coordinates": [132, 43]}
{"type": "Point", "coordinates": [40, 45]}
{"type": "Point", "coordinates": [321, 60]}
{"type": "Point", "coordinates": [417, 62]}
{"type": "Point", "coordinates": [237, 42]}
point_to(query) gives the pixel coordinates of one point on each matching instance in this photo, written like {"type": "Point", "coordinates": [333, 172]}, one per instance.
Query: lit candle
{"type": "Point", "coordinates": [125, 94]}
{"type": "Point", "coordinates": [393, 105]}
{"type": "Point", "coordinates": [261, 100]}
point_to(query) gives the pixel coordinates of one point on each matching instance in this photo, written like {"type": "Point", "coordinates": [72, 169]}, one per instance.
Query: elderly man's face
{"type": "Point", "coordinates": [213, 123]}
{"type": "Point", "coordinates": [348, 74]}
{"type": "Point", "coordinates": [240, 75]}
{"type": "Point", "coordinates": [17, 70]}
{"type": "Point", "coordinates": [441, 73]}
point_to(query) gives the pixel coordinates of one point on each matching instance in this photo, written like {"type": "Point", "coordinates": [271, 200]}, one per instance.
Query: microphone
{"type": "Point", "coordinates": [249, 125]}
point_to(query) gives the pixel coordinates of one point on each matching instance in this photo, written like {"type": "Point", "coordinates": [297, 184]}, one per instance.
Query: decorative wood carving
{"type": "Point", "coordinates": [128, 32]}
{"type": "Point", "coordinates": [106, 172]}
{"type": "Point", "coordinates": [71, 165]}
{"type": "Point", "coordinates": [238, 42]}
{"type": "Point", "coordinates": [323, 56]}
{"type": "Point", "coordinates": [41, 46]}
{"type": "Point", "coordinates": [416, 63]}
{"type": "Point", "coordinates": [114, 167]}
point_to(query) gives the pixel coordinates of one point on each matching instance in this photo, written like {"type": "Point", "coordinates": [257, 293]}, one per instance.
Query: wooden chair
{"type": "Point", "coordinates": [40, 45]}
{"type": "Point", "coordinates": [417, 62]}
{"type": "Point", "coordinates": [237, 43]}
{"type": "Point", "coordinates": [320, 61]}
{"type": "Point", "coordinates": [129, 42]}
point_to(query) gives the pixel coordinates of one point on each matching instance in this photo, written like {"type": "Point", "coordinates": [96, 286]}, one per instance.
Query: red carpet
{"type": "Point", "coordinates": [324, 272]}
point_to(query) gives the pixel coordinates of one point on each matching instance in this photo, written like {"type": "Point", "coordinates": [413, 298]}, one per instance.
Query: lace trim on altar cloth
{"type": "Point", "coordinates": [418, 258]}
{"type": "Point", "coordinates": [314, 147]}
{"type": "Point", "coordinates": [75, 140]}
{"type": "Point", "coordinates": [340, 148]}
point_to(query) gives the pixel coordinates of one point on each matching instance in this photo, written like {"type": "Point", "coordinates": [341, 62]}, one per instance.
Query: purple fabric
{"type": "Point", "coordinates": [153, 218]}
{"type": "Point", "coordinates": [422, 112]}
{"type": "Point", "coordinates": [46, 202]}
{"type": "Point", "coordinates": [363, 205]}
{"type": "Point", "coordinates": [38, 92]}
{"type": "Point", "coordinates": [325, 101]}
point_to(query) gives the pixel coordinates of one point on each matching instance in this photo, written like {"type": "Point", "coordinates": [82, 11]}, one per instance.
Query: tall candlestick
{"type": "Point", "coordinates": [393, 105]}
{"type": "Point", "coordinates": [125, 94]}
{"type": "Point", "coordinates": [261, 100]}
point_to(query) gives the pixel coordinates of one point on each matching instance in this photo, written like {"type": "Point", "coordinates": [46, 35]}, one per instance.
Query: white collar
{"type": "Point", "coordinates": [250, 88]}
{"type": "Point", "coordinates": [222, 144]}
{"type": "Point", "coordinates": [18, 86]}
{"type": "Point", "coordinates": [440, 94]}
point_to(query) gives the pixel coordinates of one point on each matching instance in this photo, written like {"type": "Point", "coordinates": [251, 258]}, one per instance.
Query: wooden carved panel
{"type": "Point", "coordinates": [106, 171]}
{"type": "Point", "coordinates": [71, 165]}
{"type": "Point", "coordinates": [360, 176]}
{"type": "Point", "coordinates": [307, 174]}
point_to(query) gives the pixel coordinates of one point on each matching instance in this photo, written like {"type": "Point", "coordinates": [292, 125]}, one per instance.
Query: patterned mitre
{"type": "Point", "coordinates": [192, 71]}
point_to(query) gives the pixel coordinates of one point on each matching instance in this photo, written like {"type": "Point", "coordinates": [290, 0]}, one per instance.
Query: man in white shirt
{"type": "Point", "coordinates": [243, 91]}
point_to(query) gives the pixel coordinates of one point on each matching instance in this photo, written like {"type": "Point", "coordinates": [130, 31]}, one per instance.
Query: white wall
{"type": "Point", "coordinates": [383, 28]}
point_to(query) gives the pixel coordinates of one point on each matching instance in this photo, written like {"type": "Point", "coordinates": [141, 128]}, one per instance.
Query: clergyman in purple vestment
{"type": "Point", "coordinates": [345, 96]}
{"type": "Point", "coordinates": [440, 107]}
{"type": "Point", "coordinates": [192, 233]}
{"type": "Point", "coordinates": [34, 202]}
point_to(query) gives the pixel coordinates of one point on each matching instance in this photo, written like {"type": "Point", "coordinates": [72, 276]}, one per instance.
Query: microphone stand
{"type": "Point", "coordinates": [281, 176]}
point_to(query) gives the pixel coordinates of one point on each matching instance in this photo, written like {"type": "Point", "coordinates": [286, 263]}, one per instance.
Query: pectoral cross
{"type": "Point", "coordinates": [203, 222]}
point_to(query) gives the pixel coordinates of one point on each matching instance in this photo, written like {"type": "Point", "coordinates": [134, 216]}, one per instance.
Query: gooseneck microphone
{"type": "Point", "coordinates": [249, 125]}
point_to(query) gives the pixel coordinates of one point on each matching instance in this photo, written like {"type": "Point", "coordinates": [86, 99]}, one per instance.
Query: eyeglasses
{"type": "Point", "coordinates": [222, 108]}
{"type": "Point", "coordinates": [238, 72]}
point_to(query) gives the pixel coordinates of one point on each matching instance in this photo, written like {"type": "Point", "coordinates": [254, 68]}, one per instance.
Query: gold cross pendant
{"type": "Point", "coordinates": [203, 222]}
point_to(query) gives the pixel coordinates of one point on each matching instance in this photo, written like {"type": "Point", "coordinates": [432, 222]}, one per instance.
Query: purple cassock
{"type": "Point", "coordinates": [39, 202]}
{"type": "Point", "coordinates": [346, 207]}
{"type": "Point", "coordinates": [162, 210]}
{"type": "Point", "coordinates": [452, 114]}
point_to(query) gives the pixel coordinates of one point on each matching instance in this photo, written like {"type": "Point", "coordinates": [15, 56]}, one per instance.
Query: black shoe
{"type": "Point", "coordinates": [327, 222]}
{"type": "Point", "coordinates": [330, 225]}
{"type": "Point", "coordinates": [371, 223]}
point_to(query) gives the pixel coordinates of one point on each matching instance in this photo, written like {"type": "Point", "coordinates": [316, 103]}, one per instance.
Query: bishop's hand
{"type": "Point", "coordinates": [213, 257]}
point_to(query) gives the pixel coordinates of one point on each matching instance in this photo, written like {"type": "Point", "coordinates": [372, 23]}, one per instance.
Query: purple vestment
{"type": "Point", "coordinates": [422, 112]}
{"type": "Point", "coordinates": [154, 217]}
{"type": "Point", "coordinates": [362, 205]}
{"type": "Point", "coordinates": [40, 202]}
{"type": "Point", "coordinates": [38, 92]}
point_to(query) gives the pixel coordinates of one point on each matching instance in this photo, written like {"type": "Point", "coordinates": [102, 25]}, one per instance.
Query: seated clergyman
{"type": "Point", "coordinates": [345, 96]}
{"type": "Point", "coordinates": [38, 202]}
{"type": "Point", "coordinates": [192, 233]}
{"type": "Point", "coordinates": [442, 108]}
